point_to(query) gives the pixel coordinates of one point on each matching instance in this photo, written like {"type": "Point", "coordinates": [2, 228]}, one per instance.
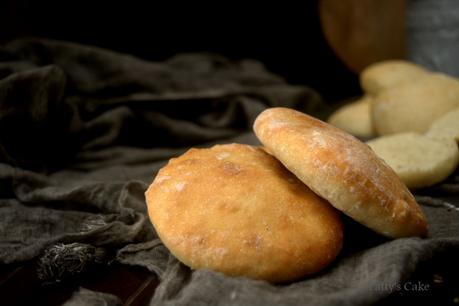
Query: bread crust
{"type": "Point", "coordinates": [418, 160]}
{"type": "Point", "coordinates": [355, 118]}
{"type": "Point", "coordinates": [387, 74]}
{"type": "Point", "coordinates": [342, 170]}
{"type": "Point", "coordinates": [446, 127]}
{"type": "Point", "coordinates": [414, 106]}
{"type": "Point", "coordinates": [236, 209]}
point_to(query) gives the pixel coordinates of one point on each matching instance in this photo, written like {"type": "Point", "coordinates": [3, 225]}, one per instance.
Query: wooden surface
{"type": "Point", "coordinates": [19, 285]}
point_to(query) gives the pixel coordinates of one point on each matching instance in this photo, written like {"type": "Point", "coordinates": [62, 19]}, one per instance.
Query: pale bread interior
{"type": "Point", "coordinates": [446, 127]}
{"type": "Point", "coordinates": [414, 106]}
{"type": "Point", "coordinates": [418, 160]}
{"type": "Point", "coordinates": [387, 74]}
{"type": "Point", "coordinates": [354, 118]}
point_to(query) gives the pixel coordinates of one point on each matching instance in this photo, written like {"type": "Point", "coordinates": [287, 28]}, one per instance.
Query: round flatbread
{"type": "Point", "coordinates": [384, 75]}
{"type": "Point", "coordinates": [414, 106]}
{"type": "Point", "coordinates": [237, 210]}
{"type": "Point", "coordinates": [446, 127]}
{"type": "Point", "coordinates": [342, 170]}
{"type": "Point", "coordinates": [354, 118]}
{"type": "Point", "coordinates": [418, 160]}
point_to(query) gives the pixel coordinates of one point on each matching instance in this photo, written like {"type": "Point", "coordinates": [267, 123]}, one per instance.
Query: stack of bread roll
{"type": "Point", "coordinates": [274, 212]}
{"type": "Point", "coordinates": [412, 116]}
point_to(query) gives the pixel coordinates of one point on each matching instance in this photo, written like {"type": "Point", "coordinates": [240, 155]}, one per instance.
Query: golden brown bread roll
{"type": "Point", "coordinates": [342, 170]}
{"type": "Point", "coordinates": [237, 210]}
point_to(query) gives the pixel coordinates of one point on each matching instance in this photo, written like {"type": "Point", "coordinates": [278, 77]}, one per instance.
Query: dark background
{"type": "Point", "coordinates": [286, 38]}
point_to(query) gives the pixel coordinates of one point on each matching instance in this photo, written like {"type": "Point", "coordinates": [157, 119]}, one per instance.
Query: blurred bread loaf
{"type": "Point", "coordinates": [354, 118]}
{"type": "Point", "coordinates": [413, 106]}
{"type": "Point", "coordinates": [384, 75]}
{"type": "Point", "coordinates": [418, 160]}
{"type": "Point", "coordinates": [446, 127]}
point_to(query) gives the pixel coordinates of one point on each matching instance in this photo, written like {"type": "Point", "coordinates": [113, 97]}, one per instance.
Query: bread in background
{"type": "Point", "coordinates": [384, 75]}
{"type": "Point", "coordinates": [418, 160]}
{"type": "Point", "coordinates": [413, 106]}
{"type": "Point", "coordinates": [446, 127]}
{"type": "Point", "coordinates": [354, 118]}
